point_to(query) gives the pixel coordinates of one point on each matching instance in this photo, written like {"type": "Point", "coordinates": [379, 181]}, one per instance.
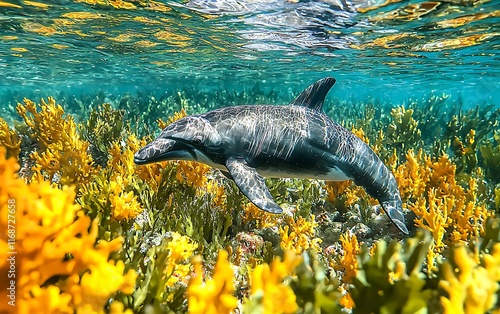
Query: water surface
{"type": "Point", "coordinates": [393, 50]}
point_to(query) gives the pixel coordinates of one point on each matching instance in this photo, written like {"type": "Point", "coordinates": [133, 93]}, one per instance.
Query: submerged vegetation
{"type": "Point", "coordinates": [98, 234]}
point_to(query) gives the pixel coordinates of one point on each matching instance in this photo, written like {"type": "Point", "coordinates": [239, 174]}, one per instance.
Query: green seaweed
{"type": "Point", "coordinates": [403, 132]}
{"type": "Point", "coordinates": [316, 289]}
{"type": "Point", "coordinates": [490, 157]}
{"type": "Point", "coordinates": [409, 294]}
{"type": "Point", "coordinates": [104, 126]}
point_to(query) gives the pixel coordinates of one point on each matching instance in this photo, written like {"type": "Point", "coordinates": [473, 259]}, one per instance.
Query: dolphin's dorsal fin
{"type": "Point", "coordinates": [314, 96]}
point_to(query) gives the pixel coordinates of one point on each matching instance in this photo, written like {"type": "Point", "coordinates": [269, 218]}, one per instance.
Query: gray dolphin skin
{"type": "Point", "coordinates": [248, 143]}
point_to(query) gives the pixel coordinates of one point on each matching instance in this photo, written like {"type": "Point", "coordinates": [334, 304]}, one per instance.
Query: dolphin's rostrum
{"type": "Point", "coordinates": [296, 141]}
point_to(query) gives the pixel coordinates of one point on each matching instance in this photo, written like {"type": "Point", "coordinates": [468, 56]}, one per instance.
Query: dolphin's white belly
{"type": "Point", "coordinates": [334, 174]}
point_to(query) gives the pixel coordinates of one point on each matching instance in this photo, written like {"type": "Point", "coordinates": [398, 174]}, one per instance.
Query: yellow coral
{"type": "Point", "coordinates": [10, 139]}
{"type": "Point", "coordinates": [262, 218]}
{"type": "Point", "coordinates": [218, 192]}
{"type": "Point", "coordinates": [299, 235]}
{"type": "Point", "coordinates": [346, 192]}
{"type": "Point", "coordinates": [176, 116]}
{"type": "Point", "coordinates": [361, 134]}
{"type": "Point", "coordinates": [121, 173]}
{"type": "Point", "coordinates": [267, 288]}
{"type": "Point", "coordinates": [215, 296]}
{"type": "Point", "coordinates": [412, 176]}
{"type": "Point", "coordinates": [55, 241]}
{"type": "Point", "coordinates": [451, 213]}
{"type": "Point", "coordinates": [124, 205]}
{"type": "Point", "coordinates": [471, 288]}
{"type": "Point", "coordinates": [180, 249]}
{"type": "Point", "coordinates": [62, 156]}
{"type": "Point", "coordinates": [335, 188]}
{"type": "Point", "coordinates": [348, 260]}
{"type": "Point", "coordinates": [433, 213]}
{"type": "Point", "coordinates": [193, 173]}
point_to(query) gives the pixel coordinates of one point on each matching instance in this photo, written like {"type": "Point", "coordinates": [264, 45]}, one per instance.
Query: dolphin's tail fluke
{"type": "Point", "coordinates": [378, 181]}
{"type": "Point", "coordinates": [394, 210]}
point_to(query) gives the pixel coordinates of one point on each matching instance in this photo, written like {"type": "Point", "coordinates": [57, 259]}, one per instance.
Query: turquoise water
{"type": "Point", "coordinates": [392, 52]}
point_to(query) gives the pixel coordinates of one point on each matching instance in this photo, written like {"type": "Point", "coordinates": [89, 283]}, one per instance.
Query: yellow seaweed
{"type": "Point", "coordinates": [299, 235]}
{"type": "Point", "coordinates": [216, 294]}
{"type": "Point", "coordinates": [62, 156]}
{"type": "Point", "coordinates": [55, 241]}
{"type": "Point", "coordinates": [470, 288]}
{"type": "Point", "coordinates": [268, 292]}
{"type": "Point", "coordinates": [9, 139]}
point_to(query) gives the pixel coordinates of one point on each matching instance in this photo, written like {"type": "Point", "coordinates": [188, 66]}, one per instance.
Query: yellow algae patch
{"type": "Point", "coordinates": [125, 38]}
{"type": "Point", "coordinates": [145, 20]}
{"type": "Point", "coordinates": [19, 49]}
{"type": "Point", "coordinates": [59, 46]}
{"type": "Point", "coordinates": [82, 15]}
{"type": "Point", "coordinates": [64, 22]}
{"type": "Point", "coordinates": [10, 5]}
{"type": "Point", "coordinates": [157, 6]}
{"type": "Point", "coordinates": [118, 4]}
{"type": "Point", "coordinates": [214, 46]}
{"type": "Point", "coordinates": [38, 28]}
{"type": "Point", "coordinates": [262, 218]}
{"type": "Point", "coordinates": [9, 37]}
{"type": "Point", "coordinates": [384, 42]}
{"type": "Point", "coordinates": [173, 39]}
{"type": "Point", "coordinates": [409, 12]}
{"type": "Point", "coordinates": [462, 20]}
{"type": "Point", "coordinates": [455, 43]}
{"type": "Point", "coordinates": [146, 43]}
{"type": "Point", "coordinates": [216, 294]}
{"type": "Point", "coordinates": [37, 4]}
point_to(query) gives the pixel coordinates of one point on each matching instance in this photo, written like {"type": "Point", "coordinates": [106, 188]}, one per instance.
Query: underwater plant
{"type": "Point", "coordinates": [9, 139]}
{"type": "Point", "coordinates": [61, 264]}
{"type": "Point", "coordinates": [104, 126]}
{"type": "Point", "coordinates": [216, 294]}
{"type": "Point", "coordinates": [60, 155]}
{"type": "Point", "coordinates": [103, 235]}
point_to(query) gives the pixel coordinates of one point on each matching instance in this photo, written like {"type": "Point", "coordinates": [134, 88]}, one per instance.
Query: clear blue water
{"type": "Point", "coordinates": [392, 52]}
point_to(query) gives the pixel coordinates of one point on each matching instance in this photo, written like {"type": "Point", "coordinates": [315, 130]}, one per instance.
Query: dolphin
{"type": "Point", "coordinates": [250, 142]}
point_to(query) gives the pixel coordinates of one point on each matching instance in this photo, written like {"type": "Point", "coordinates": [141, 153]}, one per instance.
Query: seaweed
{"type": "Point", "coordinates": [395, 269]}
{"type": "Point", "coordinates": [403, 132]}
{"type": "Point", "coordinates": [490, 157]}
{"type": "Point", "coordinates": [184, 228]}
{"type": "Point", "coordinates": [104, 126]}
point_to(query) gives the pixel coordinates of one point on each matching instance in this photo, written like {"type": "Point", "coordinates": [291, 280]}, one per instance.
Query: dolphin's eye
{"type": "Point", "coordinates": [197, 140]}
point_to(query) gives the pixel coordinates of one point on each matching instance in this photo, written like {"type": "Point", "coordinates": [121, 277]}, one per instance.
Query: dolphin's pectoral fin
{"type": "Point", "coordinates": [395, 215]}
{"type": "Point", "coordinates": [313, 97]}
{"type": "Point", "coordinates": [252, 185]}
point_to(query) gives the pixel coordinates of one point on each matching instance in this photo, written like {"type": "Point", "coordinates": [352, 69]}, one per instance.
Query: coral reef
{"type": "Point", "coordinates": [60, 155]}
{"type": "Point", "coordinates": [98, 234]}
{"type": "Point", "coordinates": [55, 242]}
